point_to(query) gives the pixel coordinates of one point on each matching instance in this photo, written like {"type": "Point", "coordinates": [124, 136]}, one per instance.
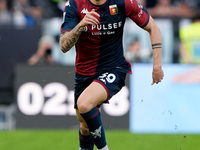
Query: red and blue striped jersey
{"type": "Point", "coordinates": [99, 48]}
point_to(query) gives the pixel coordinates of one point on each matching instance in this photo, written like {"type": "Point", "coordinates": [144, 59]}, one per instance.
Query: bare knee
{"type": "Point", "coordinates": [92, 96]}
{"type": "Point", "coordinates": [84, 106]}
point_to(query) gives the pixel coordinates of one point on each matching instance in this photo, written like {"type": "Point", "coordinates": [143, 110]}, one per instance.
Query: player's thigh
{"type": "Point", "coordinates": [92, 96]}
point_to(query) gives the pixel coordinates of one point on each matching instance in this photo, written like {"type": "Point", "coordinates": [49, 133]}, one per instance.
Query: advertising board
{"type": "Point", "coordinates": [171, 106]}
{"type": "Point", "coordinates": [45, 99]}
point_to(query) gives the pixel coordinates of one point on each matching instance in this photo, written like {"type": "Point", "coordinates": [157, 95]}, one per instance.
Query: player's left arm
{"type": "Point", "coordinates": [156, 42]}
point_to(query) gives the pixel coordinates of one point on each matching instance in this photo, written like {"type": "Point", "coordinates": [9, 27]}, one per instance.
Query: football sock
{"type": "Point", "coordinates": [105, 148]}
{"type": "Point", "coordinates": [96, 129]}
{"type": "Point", "coordinates": [86, 142]}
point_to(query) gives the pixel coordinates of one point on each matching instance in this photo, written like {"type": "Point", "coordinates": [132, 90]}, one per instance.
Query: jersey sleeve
{"type": "Point", "coordinates": [136, 12]}
{"type": "Point", "coordinates": [70, 16]}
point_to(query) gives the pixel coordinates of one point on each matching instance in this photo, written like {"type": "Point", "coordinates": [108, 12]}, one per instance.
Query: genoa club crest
{"type": "Point", "coordinates": [113, 9]}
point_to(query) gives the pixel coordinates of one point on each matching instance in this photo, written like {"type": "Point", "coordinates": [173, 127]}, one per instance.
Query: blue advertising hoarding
{"type": "Point", "coordinates": [172, 106]}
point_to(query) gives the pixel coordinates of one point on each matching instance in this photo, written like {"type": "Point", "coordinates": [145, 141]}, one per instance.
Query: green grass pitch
{"type": "Point", "coordinates": [117, 140]}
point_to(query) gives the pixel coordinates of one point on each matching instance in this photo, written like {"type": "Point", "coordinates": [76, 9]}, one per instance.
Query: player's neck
{"type": "Point", "coordinates": [98, 2]}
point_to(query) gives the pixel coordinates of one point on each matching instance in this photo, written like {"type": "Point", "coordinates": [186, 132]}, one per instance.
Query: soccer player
{"type": "Point", "coordinates": [95, 27]}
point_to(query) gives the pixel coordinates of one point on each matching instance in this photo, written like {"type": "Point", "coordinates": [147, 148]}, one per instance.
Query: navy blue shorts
{"type": "Point", "coordinates": [112, 81]}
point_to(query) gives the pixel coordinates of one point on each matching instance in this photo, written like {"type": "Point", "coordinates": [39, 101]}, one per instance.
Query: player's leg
{"type": "Point", "coordinates": [85, 140]}
{"type": "Point", "coordinates": [92, 96]}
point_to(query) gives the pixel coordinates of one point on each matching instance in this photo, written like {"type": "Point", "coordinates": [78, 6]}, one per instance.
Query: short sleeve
{"type": "Point", "coordinates": [70, 16]}
{"type": "Point", "coordinates": [136, 12]}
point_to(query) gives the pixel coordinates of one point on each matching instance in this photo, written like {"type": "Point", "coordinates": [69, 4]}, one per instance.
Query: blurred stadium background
{"type": "Point", "coordinates": [36, 96]}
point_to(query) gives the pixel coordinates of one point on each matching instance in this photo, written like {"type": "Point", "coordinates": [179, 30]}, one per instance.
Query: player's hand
{"type": "Point", "coordinates": [91, 18]}
{"type": "Point", "coordinates": [157, 75]}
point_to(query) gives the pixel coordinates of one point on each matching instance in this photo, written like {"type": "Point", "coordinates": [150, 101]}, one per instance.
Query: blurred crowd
{"type": "Point", "coordinates": [29, 12]}
{"type": "Point", "coordinates": [185, 19]}
{"type": "Point", "coordinates": [172, 8]}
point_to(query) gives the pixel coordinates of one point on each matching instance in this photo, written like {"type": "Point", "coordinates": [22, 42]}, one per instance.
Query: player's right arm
{"type": "Point", "coordinates": [69, 38]}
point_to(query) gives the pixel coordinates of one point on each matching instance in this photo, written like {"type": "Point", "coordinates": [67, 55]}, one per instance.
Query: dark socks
{"type": "Point", "coordinates": [86, 142]}
{"type": "Point", "coordinates": [96, 129]}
